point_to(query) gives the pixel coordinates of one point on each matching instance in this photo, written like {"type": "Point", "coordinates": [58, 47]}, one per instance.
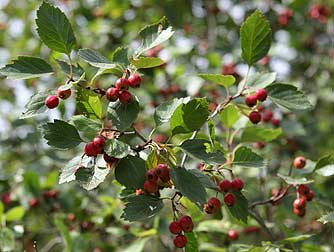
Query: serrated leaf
{"type": "Point", "coordinates": [324, 161]}
{"type": "Point", "coordinates": [36, 105]}
{"type": "Point", "coordinates": [294, 181]}
{"type": "Point", "coordinates": [260, 80]}
{"type": "Point", "coordinates": [245, 157]}
{"type": "Point", "coordinates": [255, 134]}
{"type": "Point", "coordinates": [223, 80]}
{"type": "Point", "coordinates": [122, 116]}
{"type": "Point", "coordinates": [189, 185]}
{"type": "Point", "coordinates": [229, 115]}
{"type": "Point", "coordinates": [120, 56]}
{"type": "Point", "coordinates": [255, 36]}
{"type": "Point", "coordinates": [146, 62]}
{"type": "Point", "coordinates": [192, 243]}
{"type": "Point", "coordinates": [84, 174]}
{"type": "Point", "coordinates": [77, 71]}
{"type": "Point", "coordinates": [68, 172]}
{"type": "Point", "coordinates": [88, 103]}
{"type": "Point", "coordinates": [117, 149]}
{"type": "Point", "coordinates": [240, 209]}
{"type": "Point", "coordinates": [197, 148]}
{"type": "Point", "coordinates": [130, 172]}
{"type": "Point", "coordinates": [190, 116]}
{"type": "Point", "coordinates": [204, 179]}
{"type": "Point", "coordinates": [61, 134]}
{"type": "Point", "coordinates": [288, 96]}
{"type": "Point", "coordinates": [88, 128]}
{"type": "Point", "coordinates": [7, 240]}
{"type": "Point", "coordinates": [95, 59]}
{"type": "Point", "coordinates": [26, 67]}
{"type": "Point", "coordinates": [64, 232]}
{"type": "Point", "coordinates": [165, 110]}
{"type": "Point", "coordinates": [141, 208]}
{"type": "Point", "coordinates": [54, 29]}
{"type": "Point", "coordinates": [98, 177]}
{"type": "Point", "coordinates": [327, 218]}
{"type": "Point", "coordinates": [15, 213]}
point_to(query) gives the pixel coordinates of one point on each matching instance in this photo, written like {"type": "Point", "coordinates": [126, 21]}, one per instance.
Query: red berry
{"type": "Point", "coordinates": [150, 186]}
{"type": "Point", "coordinates": [299, 162]}
{"type": "Point", "coordinates": [260, 108]}
{"type": "Point", "coordinates": [6, 199]}
{"type": "Point", "coordinates": [303, 189]}
{"type": "Point", "coordinates": [267, 115]}
{"type": "Point", "coordinates": [50, 194]}
{"type": "Point", "coordinates": [237, 184]}
{"type": "Point", "coordinates": [276, 122]}
{"type": "Point", "coordinates": [232, 235]}
{"type": "Point", "coordinates": [134, 80]}
{"type": "Point", "coordinates": [261, 94]}
{"type": "Point", "coordinates": [254, 117]}
{"type": "Point", "coordinates": [180, 241]}
{"type": "Point", "coordinates": [162, 171]}
{"type": "Point", "coordinates": [299, 212]}
{"type": "Point", "coordinates": [175, 228]}
{"type": "Point", "coordinates": [260, 145]}
{"type": "Point", "coordinates": [299, 203]}
{"type": "Point", "coordinates": [250, 100]}
{"type": "Point", "coordinates": [122, 84]}
{"type": "Point", "coordinates": [52, 101]}
{"type": "Point", "coordinates": [229, 199]}
{"type": "Point", "coordinates": [100, 142]}
{"type": "Point", "coordinates": [225, 185]}
{"type": "Point", "coordinates": [212, 206]}
{"type": "Point", "coordinates": [151, 175]}
{"type": "Point", "coordinates": [139, 192]}
{"type": "Point", "coordinates": [186, 223]}
{"type": "Point", "coordinates": [125, 97]}
{"type": "Point", "coordinates": [112, 94]}
{"type": "Point", "coordinates": [91, 149]}
{"type": "Point", "coordinates": [251, 229]}
{"type": "Point", "coordinates": [33, 202]}
{"type": "Point", "coordinates": [71, 216]}
{"type": "Point", "coordinates": [309, 196]}
{"type": "Point", "coordinates": [64, 94]}
{"type": "Point", "coordinates": [109, 159]}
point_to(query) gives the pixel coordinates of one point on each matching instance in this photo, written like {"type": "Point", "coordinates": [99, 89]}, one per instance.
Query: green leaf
{"type": "Point", "coordinates": [146, 62]}
{"type": "Point", "coordinates": [84, 174]}
{"type": "Point", "coordinates": [36, 105]}
{"type": "Point", "coordinates": [329, 217]}
{"type": "Point", "coordinates": [324, 161]}
{"type": "Point", "coordinates": [95, 59]}
{"type": "Point", "coordinates": [326, 171]}
{"type": "Point", "coordinates": [165, 110]}
{"type": "Point", "coordinates": [288, 96]}
{"type": "Point", "coordinates": [98, 177]}
{"type": "Point", "coordinates": [255, 134]}
{"type": "Point", "coordinates": [197, 148]}
{"type": "Point", "coordinates": [15, 213]}
{"type": "Point", "coordinates": [77, 71]}
{"type": "Point", "coordinates": [68, 172]}
{"type": "Point", "coordinates": [223, 80]}
{"type": "Point", "coordinates": [255, 36]}
{"type": "Point", "coordinates": [294, 181]}
{"type": "Point", "coordinates": [54, 29]}
{"type": "Point", "coordinates": [245, 157]}
{"type": "Point", "coordinates": [190, 116]}
{"type": "Point", "coordinates": [71, 84]}
{"type": "Point", "coordinates": [25, 67]}
{"type": "Point", "coordinates": [260, 80]}
{"type": "Point", "coordinates": [120, 56]}
{"type": "Point", "coordinates": [2, 208]}
{"type": "Point", "coordinates": [88, 103]}
{"type": "Point", "coordinates": [88, 128]}
{"type": "Point", "coordinates": [117, 149]}
{"type": "Point", "coordinates": [152, 160]}
{"type": "Point", "coordinates": [61, 134]}
{"type": "Point", "coordinates": [295, 239]}
{"type": "Point", "coordinates": [65, 234]}
{"type": "Point", "coordinates": [229, 115]}
{"type": "Point", "coordinates": [204, 179]}
{"type": "Point", "coordinates": [137, 245]}
{"type": "Point", "coordinates": [154, 34]}
{"type": "Point", "coordinates": [240, 209]}
{"type": "Point", "coordinates": [192, 243]}
{"type": "Point", "coordinates": [122, 116]}
{"type": "Point", "coordinates": [141, 208]}
{"type": "Point", "coordinates": [130, 172]}
{"type": "Point", "coordinates": [7, 240]}
{"type": "Point", "coordinates": [189, 185]}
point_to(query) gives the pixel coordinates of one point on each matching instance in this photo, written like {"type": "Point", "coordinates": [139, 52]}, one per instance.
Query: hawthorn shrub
{"type": "Point", "coordinates": [183, 158]}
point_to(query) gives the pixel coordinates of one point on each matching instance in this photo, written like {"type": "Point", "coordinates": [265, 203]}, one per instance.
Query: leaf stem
{"type": "Point", "coordinates": [71, 67]}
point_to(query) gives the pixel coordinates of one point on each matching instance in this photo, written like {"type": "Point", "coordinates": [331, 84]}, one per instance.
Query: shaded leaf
{"type": "Point", "coordinates": [77, 71]}
{"type": "Point", "coordinates": [117, 149]}
{"type": "Point", "coordinates": [68, 172]}
{"type": "Point", "coordinates": [245, 157]}
{"type": "Point", "coordinates": [204, 179]}
{"type": "Point", "coordinates": [130, 172]}
{"type": "Point", "coordinates": [255, 134]}
{"type": "Point", "coordinates": [240, 209]}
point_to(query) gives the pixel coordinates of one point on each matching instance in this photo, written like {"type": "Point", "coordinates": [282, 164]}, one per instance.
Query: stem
{"type": "Point", "coordinates": [71, 67]}
{"type": "Point", "coordinates": [259, 220]}
{"type": "Point", "coordinates": [184, 158]}
{"type": "Point", "coordinates": [139, 135]}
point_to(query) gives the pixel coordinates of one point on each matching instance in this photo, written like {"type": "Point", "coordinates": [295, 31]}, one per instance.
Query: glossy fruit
{"type": "Point", "coordinates": [64, 94]}
{"type": "Point", "coordinates": [299, 212]}
{"type": "Point", "coordinates": [150, 186]}
{"type": "Point", "coordinates": [122, 84]}
{"type": "Point", "coordinates": [175, 228]}
{"type": "Point", "coordinates": [299, 162]}
{"type": "Point", "coordinates": [162, 171]}
{"type": "Point", "coordinates": [186, 223]}
{"type": "Point", "coordinates": [134, 80]}
{"type": "Point", "coordinates": [229, 199]}
{"type": "Point", "coordinates": [52, 101]}
{"type": "Point", "coordinates": [267, 115]}
{"type": "Point", "coordinates": [180, 241]}
{"type": "Point", "coordinates": [254, 117]}
{"type": "Point", "coordinates": [237, 184]}
{"type": "Point", "coordinates": [303, 189]}
{"type": "Point", "coordinates": [112, 94]}
{"type": "Point", "coordinates": [225, 185]}
{"type": "Point", "coordinates": [299, 203]}
{"type": "Point", "coordinates": [261, 94]}
{"type": "Point", "coordinates": [91, 149]}
{"type": "Point", "coordinates": [109, 159]}
{"type": "Point", "coordinates": [212, 206]}
{"type": "Point", "coordinates": [151, 175]}
{"type": "Point", "coordinates": [125, 97]}
{"type": "Point", "coordinates": [309, 196]}
{"type": "Point", "coordinates": [276, 122]}
{"type": "Point", "coordinates": [100, 142]}
{"type": "Point", "coordinates": [251, 100]}
{"type": "Point", "coordinates": [232, 235]}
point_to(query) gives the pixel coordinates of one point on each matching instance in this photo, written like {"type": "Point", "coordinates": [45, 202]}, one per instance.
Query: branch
{"type": "Point", "coordinates": [259, 220]}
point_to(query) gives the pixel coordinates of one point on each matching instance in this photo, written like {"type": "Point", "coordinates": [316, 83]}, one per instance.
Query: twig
{"type": "Point", "coordinates": [140, 135]}
{"type": "Point", "coordinates": [262, 224]}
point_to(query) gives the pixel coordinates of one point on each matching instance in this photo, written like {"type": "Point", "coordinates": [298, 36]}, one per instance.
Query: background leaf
{"type": "Point", "coordinates": [245, 157]}
{"type": "Point", "coordinates": [36, 105]}
{"type": "Point", "coordinates": [255, 134]}
{"type": "Point", "coordinates": [223, 80]}
{"type": "Point", "coordinates": [15, 213]}
{"type": "Point", "coordinates": [7, 240]}
{"type": "Point", "coordinates": [229, 115]}
{"type": "Point", "coordinates": [146, 62]}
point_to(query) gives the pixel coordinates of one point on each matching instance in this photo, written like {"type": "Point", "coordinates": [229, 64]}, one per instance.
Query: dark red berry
{"type": "Point", "coordinates": [71, 217]}
{"type": "Point", "coordinates": [299, 162]}
{"type": "Point", "coordinates": [180, 241]}
{"type": "Point", "coordinates": [237, 184]}
{"type": "Point", "coordinates": [303, 189]}
{"type": "Point", "coordinates": [91, 149]}
{"type": "Point", "coordinates": [162, 171]}
{"type": "Point", "coordinates": [225, 185]}
{"type": "Point", "coordinates": [6, 199]}
{"type": "Point", "coordinates": [267, 115]}
{"type": "Point", "coordinates": [112, 94]}
{"type": "Point", "coordinates": [299, 212]}
{"type": "Point", "coordinates": [64, 94]}
{"type": "Point", "coordinates": [186, 223]}
{"type": "Point", "coordinates": [276, 122]}
{"type": "Point", "coordinates": [33, 202]}
{"type": "Point", "coordinates": [261, 94]}
{"type": "Point", "coordinates": [175, 228]}
{"type": "Point", "coordinates": [134, 80]}
{"type": "Point", "coordinates": [109, 159]}
{"type": "Point", "coordinates": [260, 108]}
{"type": "Point", "coordinates": [150, 186]}
{"type": "Point", "coordinates": [122, 84]}
{"type": "Point", "coordinates": [254, 117]}
{"type": "Point", "coordinates": [52, 101]}
{"type": "Point", "coordinates": [232, 235]}
{"type": "Point", "coordinates": [309, 196]}
{"type": "Point", "coordinates": [212, 206]}
{"type": "Point", "coordinates": [50, 194]}
{"type": "Point", "coordinates": [229, 199]}
{"type": "Point", "coordinates": [250, 100]}
{"type": "Point", "coordinates": [100, 142]}
{"type": "Point", "coordinates": [299, 203]}
{"type": "Point", "coordinates": [151, 175]}
{"type": "Point", "coordinates": [125, 97]}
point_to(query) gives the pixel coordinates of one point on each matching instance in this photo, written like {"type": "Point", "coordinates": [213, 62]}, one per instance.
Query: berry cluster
{"type": "Point", "coordinates": [95, 147]}
{"type": "Point", "coordinates": [120, 90]}
{"type": "Point", "coordinates": [319, 12]}
{"type": "Point", "coordinates": [268, 116]}
{"type": "Point", "coordinates": [156, 176]}
{"type": "Point", "coordinates": [251, 101]}
{"type": "Point", "coordinates": [183, 224]}
{"type": "Point", "coordinates": [304, 194]}
{"type": "Point", "coordinates": [284, 16]}
{"type": "Point", "coordinates": [52, 101]}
